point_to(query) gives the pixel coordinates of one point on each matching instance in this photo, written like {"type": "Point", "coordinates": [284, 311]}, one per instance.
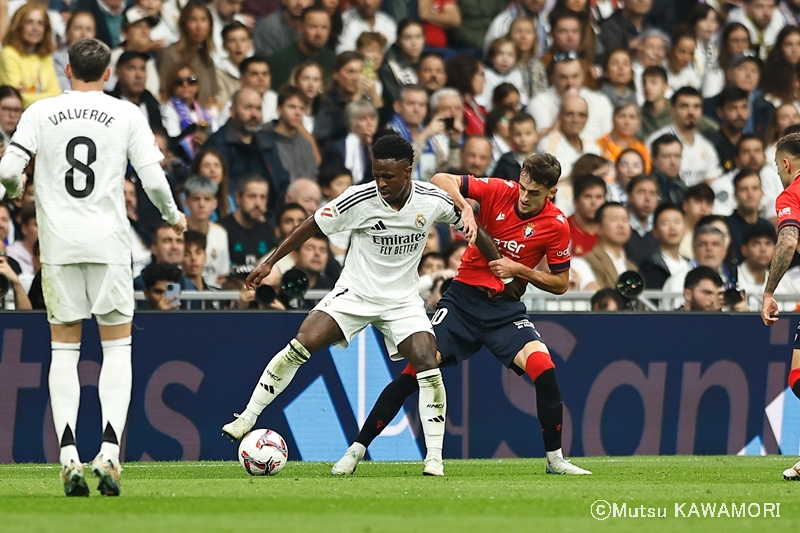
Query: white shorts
{"type": "Point", "coordinates": [76, 292]}
{"type": "Point", "coordinates": [396, 322]}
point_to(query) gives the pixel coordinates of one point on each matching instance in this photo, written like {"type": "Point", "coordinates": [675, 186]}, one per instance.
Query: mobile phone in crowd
{"type": "Point", "coordinates": [449, 123]}
{"type": "Point", "coordinates": [173, 289]}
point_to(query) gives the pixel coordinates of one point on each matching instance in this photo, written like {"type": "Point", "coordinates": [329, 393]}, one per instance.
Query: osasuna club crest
{"type": "Point", "coordinates": [420, 222]}
{"type": "Point", "coordinates": [528, 230]}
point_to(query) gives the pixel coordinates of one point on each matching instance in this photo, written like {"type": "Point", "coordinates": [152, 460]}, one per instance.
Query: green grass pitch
{"type": "Point", "coordinates": [492, 496]}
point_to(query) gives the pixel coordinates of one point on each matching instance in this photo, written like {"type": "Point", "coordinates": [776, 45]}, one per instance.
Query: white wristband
{"type": "Point", "coordinates": [506, 281]}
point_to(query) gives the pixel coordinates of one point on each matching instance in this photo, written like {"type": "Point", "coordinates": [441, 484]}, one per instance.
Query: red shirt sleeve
{"type": "Point", "coordinates": [558, 254]}
{"type": "Point", "coordinates": [788, 207]}
{"type": "Point", "coordinates": [484, 190]}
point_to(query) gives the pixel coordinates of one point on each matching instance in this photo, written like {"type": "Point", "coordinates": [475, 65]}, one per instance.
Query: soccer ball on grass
{"type": "Point", "coordinates": [263, 452]}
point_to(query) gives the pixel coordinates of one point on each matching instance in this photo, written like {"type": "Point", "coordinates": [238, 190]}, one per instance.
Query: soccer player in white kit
{"type": "Point", "coordinates": [82, 141]}
{"type": "Point", "coordinates": [390, 219]}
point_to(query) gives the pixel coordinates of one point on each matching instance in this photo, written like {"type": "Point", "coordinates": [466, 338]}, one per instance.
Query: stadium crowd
{"type": "Point", "coordinates": [664, 115]}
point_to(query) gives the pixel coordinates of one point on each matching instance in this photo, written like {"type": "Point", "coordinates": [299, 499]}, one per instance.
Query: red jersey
{"type": "Point", "coordinates": [582, 242]}
{"type": "Point", "coordinates": [524, 238]}
{"type": "Point", "coordinates": [788, 206]}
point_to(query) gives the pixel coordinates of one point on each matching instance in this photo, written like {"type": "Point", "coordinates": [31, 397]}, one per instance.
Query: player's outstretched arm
{"type": "Point", "coordinates": [307, 229]}
{"type": "Point", "coordinates": [784, 251]}
{"type": "Point", "coordinates": [11, 177]}
{"type": "Point", "coordinates": [451, 184]}
{"type": "Point", "coordinates": [156, 186]}
{"type": "Point", "coordinates": [552, 282]}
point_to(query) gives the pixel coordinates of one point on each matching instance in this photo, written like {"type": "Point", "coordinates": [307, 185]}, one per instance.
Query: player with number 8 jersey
{"type": "Point", "coordinates": [83, 141]}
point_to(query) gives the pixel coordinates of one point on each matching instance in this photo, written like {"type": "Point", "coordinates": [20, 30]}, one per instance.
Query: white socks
{"type": "Point", "coordinates": [65, 396]}
{"type": "Point", "coordinates": [114, 388]}
{"type": "Point", "coordinates": [276, 377]}
{"type": "Point", "coordinates": [554, 456]}
{"type": "Point", "coordinates": [432, 410]}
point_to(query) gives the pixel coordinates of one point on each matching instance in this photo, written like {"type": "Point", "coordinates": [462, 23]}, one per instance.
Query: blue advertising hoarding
{"type": "Point", "coordinates": [631, 384]}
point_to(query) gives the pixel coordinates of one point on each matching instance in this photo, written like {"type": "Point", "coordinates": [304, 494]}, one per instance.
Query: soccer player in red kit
{"type": "Point", "coordinates": [477, 310]}
{"type": "Point", "coordinates": [787, 157]}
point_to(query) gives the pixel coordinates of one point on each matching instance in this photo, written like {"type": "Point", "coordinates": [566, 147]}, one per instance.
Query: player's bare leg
{"type": "Point", "coordinates": [535, 359]}
{"type": "Point", "coordinates": [420, 351]}
{"type": "Point", "coordinates": [317, 331]}
{"type": "Point", "coordinates": [65, 397]}
{"type": "Point", "coordinates": [793, 474]}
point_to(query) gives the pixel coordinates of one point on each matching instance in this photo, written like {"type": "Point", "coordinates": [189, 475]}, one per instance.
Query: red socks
{"type": "Point", "coordinates": [537, 363]}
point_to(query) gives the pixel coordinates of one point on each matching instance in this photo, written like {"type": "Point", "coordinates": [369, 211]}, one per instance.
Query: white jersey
{"type": "Point", "coordinates": [82, 142]}
{"type": "Point", "coordinates": [386, 245]}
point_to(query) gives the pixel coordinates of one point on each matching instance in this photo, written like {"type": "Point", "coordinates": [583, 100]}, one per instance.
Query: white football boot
{"type": "Point", "coordinates": [347, 465]}
{"type": "Point", "coordinates": [564, 467]}
{"type": "Point", "coordinates": [433, 467]}
{"type": "Point", "coordinates": [108, 473]}
{"type": "Point", "coordinates": [237, 429]}
{"type": "Point", "coordinates": [793, 473]}
{"type": "Point", "coordinates": [73, 480]}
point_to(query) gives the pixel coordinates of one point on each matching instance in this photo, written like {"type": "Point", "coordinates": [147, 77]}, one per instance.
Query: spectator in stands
{"type": "Point", "coordinates": [79, 26]}
{"type": "Point", "coordinates": [224, 12]}
{"type": "Point", "coordinates": [298, 155]}
{"type": "Point", "coordinates": [667, 150]}
{"type": "Point", "coordinates": [194, 48]}
{"type": "Point", "coordinates": [306, 192]}
{"type": "Point", "coordinates": [255, 74]}
{"type": "Point", "coordinates": [475, 156]}
{"type": "Point", "coordinates": [698, 158]}
{"type": "Point", "coordinates": [452, 254]}
{"type": "Point", "coordinates": [590, 194]}
{"type": "Point", "coordinates": [201, 201]}
{"type": "Point", "coordinates": [625, 25]}
{"type": "Point", "coordinates": [154, 283]}
{"type": "Point", "coordinates": [642, 202]}
{"type": "Point", "coordinates": [502, 22]}
{"type": "Point", "coordinates": [184, 117]}
{"type": "Point", "coordinates": [309, 77]}
{"type": "Point", "coordinates": [697, 203]}
{"type": "Point", "coordinates": [312, 257]}
{"type": "Point", "coordinates": [248, 150]}
{"type": "Point", "coordinates": [289, 216]}
{"type": "Point", "coordinates": [607, 300]}
{"type": "Point", "coordinates": [140, 251]}
{"type": "Point", "coordinates": [281, 28]}
{"type": "Point", "coordinates": [569, 141]}
{"type": "Point", "coordinates": [136, 26]}
{"type": "Point", "coordinates": [364, 15]}
{"type": "Point", "coordinates": [566, 74]}
{"type": "Point", "coordinates": [567, 35]}
{"type": "Point", "coordinates": [498, 125]}
{"type": "Point", "coordinates": [744, 72]}
{"type": "Point", "coordinates": [476, 16]}
{"type": "Point", "coordinates": [5, 224]}
{"type": "Point", "coordinates": [779, 79]}
{"type": "Point", "coordinates": [600, 267]}
{"type": "Point", "coordinates": [502, 69]}
{"type": "Point", "coordinates": [167, 248]}
{"type": "Point", "coordinates": [534, 74]}
{"type": "Point", "coordinates": [402, 60]}
{"type": "Point", "coordinates": [165, 32]}
{"type": "Point", "coordinates": [237, 43]}
{"type": "Point", "coordinates": [758, 245]}
{"type": "Point", "coordinates": [791, 11]}
{"type": "Point", "coordinates": [762, 21]}
{"type": "Point", "coordinates": [431, 73]}
{"type": "Point", "coordinates": [131, 75]}
{"type": "Point", "coordinates": [210, 163]}
{"type": "Point", "coordinates": [629, 164]}
{"type": "Point", "coordinates": [410, 110]}
{"type": "Point", "coordinates": [702, 290]}
{"type": "Point", "coordinates": [194, 259]}
{"type": "Point", "coordinates": [623, 136]}
{"type": "Point", "coordinates": [333, 181]}
{"type": "Point", "coordinates": [524, 137]}
{"type": "Point", "coordinates": [10, 270]}
{"type": "Point", "coordinates": [652, 52]}
{"type": "Point", "coordinates": [26, 59]}
{"type": "Point", "coordinates": [21, 250]}
{"type": "Point", "coordinates": [10, 113]}
{"type": "Point", "coordinates": [784, 116]}
{"type": "Point", "coordinates": [681, 71]}
{"type": "Point", "coordinates": [733, 112]}
{"type": "Point", "coordinates": [107, 14]}
{"type": "Point", "coordinates": [655, 110]}
{"type": "Point", "coordinates": [330, 125]}
{"type": "Point", "coordinates": [586, 164]}
{"type": "Point", "coordinates": [446, 104]}
{"type": "Point", "coordinates": [355, 151]}
{"type": "Point", "coordinates": [749, 157]}
{"type": "Point", "coordinates": [704, 21]}
{"type": "Point", "coordinates": [430, 263]}
{"type": "Point", "coordinates": [316, 29]}
{"type": "Point", "coordinates": [506, 94]}
{"type": "Point", "coordinates": [747, 190]}
{"type": "Point", "coordinates": [668, 229]}
{"type": "Point", "coordinates": [465, 74]}
{"type": "Point", "coordinates": [618, 83]}
{"type": "Point", "coordinates": [249, 235]}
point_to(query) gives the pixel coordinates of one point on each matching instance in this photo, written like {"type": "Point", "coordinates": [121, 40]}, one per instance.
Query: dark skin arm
{"type": "Point", "coordinates": [784, 252]}
{"type": "Point", "coordinates": [516, 288]}
{"type": "Point", "coordinates": [552, 282]}
{"type": "Point", "coordinates": [307, 229]}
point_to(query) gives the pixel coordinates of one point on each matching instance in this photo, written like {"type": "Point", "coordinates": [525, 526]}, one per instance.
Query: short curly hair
{"type": "Point", "coordinates": [543, 169]}
{"type": "Point", "coordinates": [393, 147]}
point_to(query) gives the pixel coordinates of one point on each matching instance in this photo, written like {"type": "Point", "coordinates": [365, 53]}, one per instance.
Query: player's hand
{"type": "Point", "coordinates": [166, 304]}
{"type": "Point", "coordinates": [7, 271]}
{"type": "Point", "coordinates": [258, 274]}
{"type": "Point", "coordinates": [470, 229]}
{"type": "Point", "coordinates": [503, 267]}
{"type": "Point", "coordinates": [180, 226]}
{"type": "Point", "coordinates": [769, 310]}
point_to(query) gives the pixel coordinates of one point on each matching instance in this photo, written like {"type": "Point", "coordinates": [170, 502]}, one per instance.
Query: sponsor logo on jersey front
{"type": "Point", "coordinates": [528, 230]}
{"type": "Point", "coordinates": [420, 221]}
{"type": "Point", "coordinates": [399, 244]}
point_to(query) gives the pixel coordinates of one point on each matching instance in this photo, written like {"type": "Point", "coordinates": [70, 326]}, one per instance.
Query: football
{"type": "Point", "coordinates": [263, 452]}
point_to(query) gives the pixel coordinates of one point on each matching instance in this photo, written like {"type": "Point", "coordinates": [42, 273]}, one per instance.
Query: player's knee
{"type": "Point", "coordinates": [537, 363]}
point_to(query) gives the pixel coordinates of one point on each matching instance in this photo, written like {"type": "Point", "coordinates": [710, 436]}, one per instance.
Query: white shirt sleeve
{"type": "Point", "coordinates": [343, 213]}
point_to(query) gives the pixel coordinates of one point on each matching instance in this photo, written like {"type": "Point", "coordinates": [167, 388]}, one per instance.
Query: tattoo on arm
{"type": "Point", "coordinates": [784, 252]}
